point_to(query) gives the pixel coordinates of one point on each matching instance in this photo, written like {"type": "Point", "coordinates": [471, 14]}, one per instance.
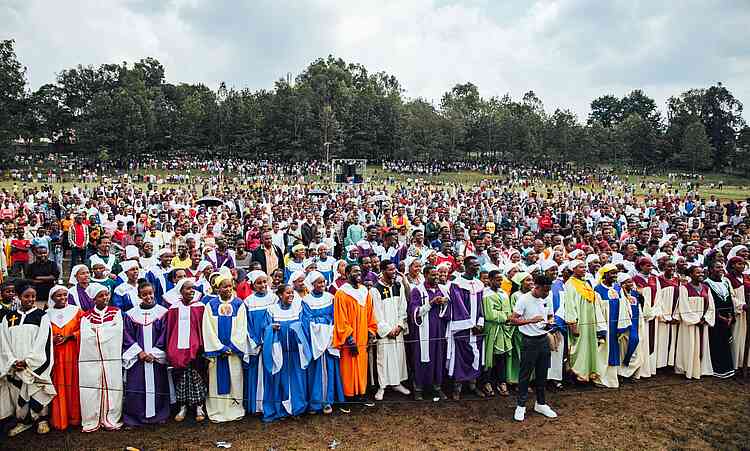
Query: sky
{"type": "Point", "coordinates": [567, 51]}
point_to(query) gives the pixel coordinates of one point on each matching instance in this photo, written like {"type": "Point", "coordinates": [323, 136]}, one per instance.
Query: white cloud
{"type": "Point", "coordinates": [567, 51]}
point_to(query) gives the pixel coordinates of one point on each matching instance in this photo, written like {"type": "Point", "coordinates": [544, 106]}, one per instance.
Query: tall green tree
{"type": "Point", "coordinates": [14, 104]}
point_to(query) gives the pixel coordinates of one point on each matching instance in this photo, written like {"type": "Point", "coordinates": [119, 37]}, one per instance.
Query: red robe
{"type": "Point", "coordinates": [184, 338]}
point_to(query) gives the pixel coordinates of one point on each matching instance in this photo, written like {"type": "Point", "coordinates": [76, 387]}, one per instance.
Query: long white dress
{"type": "Point", "coordinates": [100, 369]}
{"type": "Point", "coordinates": [739, 327]}
{"type": "Point", "coordinates": [25, 336]}
{"type": "Point", "coordinates": [693, 357]}
{"type": "Point", "coordinates": [666, 334]}
{"type": "Point", "coordinates": [389, 306]}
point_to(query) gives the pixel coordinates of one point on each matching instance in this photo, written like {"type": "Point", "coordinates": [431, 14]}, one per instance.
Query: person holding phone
{"type": "Point", "coordinates": [531, 315]}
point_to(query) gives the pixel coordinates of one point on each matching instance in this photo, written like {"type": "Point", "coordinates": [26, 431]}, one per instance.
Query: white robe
{"type": "Point", "coordinates": [608, 373]}
{"type": "Point", "coordinates": [640, 361]}
{"type": "Point", "coordinates": [666, 334]}
{"type": "Point", "coordinates": [100, 371]}
{"type": "Point", "coordinates": [25, 336]}
{"type": "Point", "coordinates": [389, 313]}
{"type": "Point", "coordinates": [693, 357]}
{"type": "Point", "coordinates": [739, 327]}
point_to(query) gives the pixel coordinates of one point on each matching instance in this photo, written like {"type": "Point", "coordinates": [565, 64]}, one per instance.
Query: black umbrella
{"type": "Point", "coordinates": [210, 201]}
{"type": "Point", "coordinates": [317, 192]}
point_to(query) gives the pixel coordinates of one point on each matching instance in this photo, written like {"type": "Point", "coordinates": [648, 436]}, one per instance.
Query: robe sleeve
{"type": "Point", "coordinates": [273, 355]}
{"type": "Point", "coordinates": [40, 358]}
{"type": "Point", "coordinates": [624, 317]}
{"type": "Point", "coordinates": [666, 300]}
{"type": "Point", "coordinates": [305, 353]}
{"type": "Point", "coordinates": [372, 325]}
{"type": "Point", "coordinates": [130, 346]}
{"type": "Point", "coordinates": [342, 326]}
{"type": "Point", "coordinates": [212, 346]}
{"type": "Point", "coordinates": [384, 327]}
{"type": "Point", "coordinates": [7, 358]}
{"type": "Point", "coordinates": [571, 305]}
{"type": "Point", "coordinates": [238, 337]}
{"type": "Point", "coordinates": [403, 316]}
{"type": "Point", "coordinates": [160, 340]}
{"type": "Point", "coordinates": [480, 309]}
{"type": "Point", "coordinates": [710, 315]}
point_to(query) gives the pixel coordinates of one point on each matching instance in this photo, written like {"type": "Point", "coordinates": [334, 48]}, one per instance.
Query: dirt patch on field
{"type": "Point", "coordinates": [665, 412]}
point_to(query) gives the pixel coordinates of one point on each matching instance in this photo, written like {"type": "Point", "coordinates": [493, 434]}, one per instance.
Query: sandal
{"type": "Point", "coordinates": [488, 389]}
{"type": "Point", "coordinates": [503, 390]}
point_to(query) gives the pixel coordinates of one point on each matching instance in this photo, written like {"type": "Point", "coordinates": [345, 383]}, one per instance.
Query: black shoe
{"type": "Point", "coordinates": [418, 395]}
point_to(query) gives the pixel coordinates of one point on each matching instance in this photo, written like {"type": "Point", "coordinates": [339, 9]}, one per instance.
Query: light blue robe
{"type": "Point", "coordinates": [286, 355]}
{"type": "Point", "coordinates": [256, 324]}
{"type": "Point", "coordinates": [323, 375]}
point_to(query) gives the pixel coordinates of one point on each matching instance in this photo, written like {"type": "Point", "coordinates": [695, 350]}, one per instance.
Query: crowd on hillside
{"type": "Point", "coordinates": [124, 304]}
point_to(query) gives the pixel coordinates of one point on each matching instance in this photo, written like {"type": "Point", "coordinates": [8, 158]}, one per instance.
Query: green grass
{"type": "Point", "coordinates": [737, 188]}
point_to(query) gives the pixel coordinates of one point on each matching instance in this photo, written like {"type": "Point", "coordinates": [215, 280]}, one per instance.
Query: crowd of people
{"type": "Point", "coordinates": [124, 304]}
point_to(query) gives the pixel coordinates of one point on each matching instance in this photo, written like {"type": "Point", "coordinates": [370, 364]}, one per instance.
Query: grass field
{"type": "Point", "coordinates": [735, 187]}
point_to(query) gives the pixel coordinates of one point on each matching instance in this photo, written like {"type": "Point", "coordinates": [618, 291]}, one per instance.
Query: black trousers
{"type": "Point", "coordinates": [535, 356]}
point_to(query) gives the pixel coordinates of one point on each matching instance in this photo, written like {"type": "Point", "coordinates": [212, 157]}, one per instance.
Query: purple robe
{"type": "Point", "coordinates": [218, 259]}
{"type": "Point", "coordinates": [147, 386]}
{"type": "Point", "coordinates": [464, 357]}
{"type": "Point", "coordinates": [427, 324]}
{"type": "Point", "coordinates": [78, 297]}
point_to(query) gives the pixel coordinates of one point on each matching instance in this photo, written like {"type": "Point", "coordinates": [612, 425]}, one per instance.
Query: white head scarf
{"type": "Point", "coordinates": [296, 275]}
{"type": "Point", "coordinates": [74, 272]}
{"type": "Point", "coordinates": [252, 276]}
{"type": "Point", "coordinates": [311, 277]}
{"type": "Point", "coordinates": [735, 250]}
{"type": "Point", "coordinates": [131, 252]}
{"type": "Point", "coordinates": [94, 289]}
{"type": "Point", "coordinates": [127, 265]}
{"type": "Point", "coordinates": [55, 289]}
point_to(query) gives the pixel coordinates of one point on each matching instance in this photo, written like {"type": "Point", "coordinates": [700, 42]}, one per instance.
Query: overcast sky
{"type": "Point", "coordinates": [567, 51]}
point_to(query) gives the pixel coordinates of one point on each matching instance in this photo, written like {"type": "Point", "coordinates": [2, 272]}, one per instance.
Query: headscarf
{"type": "Point", "coordinates": [202, 265]}
{"type": "Point", "coordinates": [252, 276]}
{"type": "Point", "coordinates": [94, 289]}
{"type": "Point", "coordinates": [298, 247]}
{"type": "Point", "coordinates": [604, 270]}
{"type": "Point", "coordinates": [131, 252]}
{"type": "Point", "coordinates": [127, 265]}
{"type": "Point", "coordinates": [311, 277]}
{"type": "Point", "coordinates": [181, 283]}
{"type": "Point", "coordinates": [520, 277]}
{"type": "Point", "coordinates": [338, 264]}
{"type": "Point", "coordinates": [735, 250]}
{"type": "Point", "coordinates": [547, 264]}
{"type": "Point", "coordinates": [73, 272]}
{"type": "Point", "coordinates": [52, 291]}
{"type": "Point", "coordinates": [296, 275]}
{"type": "Point", "coordinates": [622, 277]}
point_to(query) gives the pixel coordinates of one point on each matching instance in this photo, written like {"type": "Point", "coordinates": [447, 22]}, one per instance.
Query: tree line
{"type": "Point", "coordinates": [334, 108]}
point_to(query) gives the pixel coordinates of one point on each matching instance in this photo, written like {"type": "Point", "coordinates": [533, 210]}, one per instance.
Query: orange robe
{"type": "Point", "coordinates": [353, 316]}
{"type": "Point", "coordinates": [66, 406]}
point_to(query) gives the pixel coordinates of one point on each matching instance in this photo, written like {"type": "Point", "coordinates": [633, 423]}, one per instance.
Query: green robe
{"type": "Point", "coordinates": [497, 333]}
{"type": "Point", "coordinates": [584, 347]}
{"type": "Point", "coordinates": [513, 364]}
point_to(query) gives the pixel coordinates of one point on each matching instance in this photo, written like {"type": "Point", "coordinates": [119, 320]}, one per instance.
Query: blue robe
{"type": "Point", "coordinates": [253, 366]}
{"type": "Point", "coordinates": [323, 375]}
{"type": "Point", "coordinates": [286, 355]}
{"type": "Point", "coordinates": [633, 338]}
{"type": "Point", "coordinates": [125, 296]}
{"type": "Point", "coordinates": [612, 321]}
{"type": "Point", "coordinates": [291, 267]}
{"type": "Point", "coordinates": [157, 276]}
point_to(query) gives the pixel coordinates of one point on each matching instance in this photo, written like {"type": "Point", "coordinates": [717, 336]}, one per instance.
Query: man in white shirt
{"type": "Point", "coordinates": [530, 314]}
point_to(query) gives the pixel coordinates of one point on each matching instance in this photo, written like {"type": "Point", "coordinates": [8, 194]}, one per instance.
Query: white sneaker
{"type": "Point", "coordinates": [379, 394]}
{"type": "Point", "coordinates": [401, 389]}
{"type": "Point", "coordinates": [181, 414]}
{"type": "Point", "coordinates": [17, 429]}
{"type": "Point", "coordinates": [545, 410]}
{"type": "Point", "coordinates": [520, 413]}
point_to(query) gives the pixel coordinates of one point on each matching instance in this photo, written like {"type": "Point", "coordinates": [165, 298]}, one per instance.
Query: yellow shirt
{"type": "Point", "coordinates": [181, 264]}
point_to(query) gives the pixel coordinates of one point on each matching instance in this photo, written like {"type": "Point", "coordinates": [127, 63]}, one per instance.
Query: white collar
{"type": "Point", "coordinates": [359, 294]}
